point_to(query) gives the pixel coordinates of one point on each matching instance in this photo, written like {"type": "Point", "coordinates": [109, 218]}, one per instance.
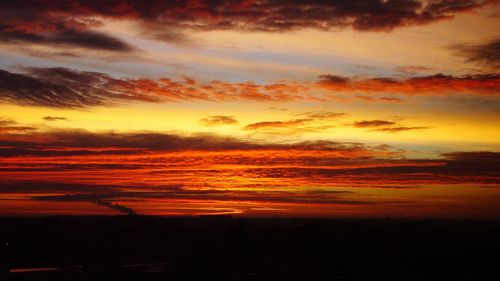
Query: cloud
{"type": "Point", "coordinates": [322, 114]}
{"type": "Point", "coordinates": [440, 84]}
{"type": "Point", "coordinates": [486, 54]}
{"type": "Point", "coordinates": [375, 99]}
{"type": "Point", "coordinates": [277, 124]}
{"type": "Point", "coordinates": [7, 122]}
{"type": "Point", "coordinates": [250, 15]}
{"type": "Point", "coordinates": [491, 160]}
{"type": "Point", "coordinates": [386, 126]}
{"type": "Point", "coordinates": [54, 187]}
{"type": "Point", "coordinates": [84, 143]}
{"type": "Point", "coordinates": [62, 88]}
{"type": "Point", "coordinates": [216, 120]}
{"type": "Point", "coordinates": [11, 126]}
{"type": "Point", "coordinates": [67, 88]}
{"type": "Point", "coordinates": [111, 140]}
{"type": "Point", "coordinates": [36, 22]}
{"type": "Point", "coordinates": [390, 99]}
{"type": "Point", "coordinates": [454, 168]}
{"type": "Point", "coordinates": [399, 129]}
{"type": "Point", "coordinates": [373, 123]}
{"type": "Point", "coordinates": [54, 118]}
{"type": "Point", "coordinates": [313, 121]}
{"type": "Point", "coordinates": [217, 169]}
{"type": "Point", "coordinates": [273, 196]}
{"type": "Point", "coordinates": [158, 31]}
{"type": "Point", "coordinates": [83, 39]}
{"type": "Point", "coordinates": [413, 69]}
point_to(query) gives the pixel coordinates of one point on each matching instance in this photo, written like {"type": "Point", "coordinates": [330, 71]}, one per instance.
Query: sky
{"type": "Point", "coordinates": [269, 108]}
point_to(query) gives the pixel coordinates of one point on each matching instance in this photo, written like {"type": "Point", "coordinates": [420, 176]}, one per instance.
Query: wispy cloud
{"type": "Point", "coordinates": [323, 115]}
{"type": "Point", "coordinates": [486, 54]}
{"type": "Point", "coordinates": [67, 88]}
{"type": "Point", "coordinates": [400, 129]}
{"type": "Point", "coordinates": [386, 126]}
{"type": "Point", "coordinates": [11, 126]}
{"type": "Point", "coordinates": [439, 84]}
{"type": "Point", "coordinates": [54, 118]}
{"type": "Point", "coordinates": [373, 123]}
{"type": "Point", "coordinates": [277, 124]}
{"type": "Point", "coordinates": [33, 18]}
{"type": "Point", "coordinates": [216, 120]}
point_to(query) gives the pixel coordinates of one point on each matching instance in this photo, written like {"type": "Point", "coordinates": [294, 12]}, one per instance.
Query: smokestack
{"type": "Point", "coordinates": [120, 208]}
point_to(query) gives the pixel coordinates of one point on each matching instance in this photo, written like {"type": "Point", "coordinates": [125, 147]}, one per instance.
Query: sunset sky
{"type": "Point", "coordinates": [370, 108]}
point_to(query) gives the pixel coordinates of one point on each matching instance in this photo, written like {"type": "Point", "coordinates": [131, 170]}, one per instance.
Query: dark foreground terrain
{"type": "Point", "coordinates": [225, 248]}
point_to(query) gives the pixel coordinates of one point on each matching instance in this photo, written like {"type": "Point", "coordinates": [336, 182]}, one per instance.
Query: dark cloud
{"type": "Point", "coordinates": [386, 126]}
{"type": "Point", "coordinates": [375, 99]}
{"type": "Point", "coordinates": [4, 122]}
{"type": "Point", "coordinates": [413, 69]}
{"type": "Point", "coordinates": [334, 79]}
{"type": "Point", "coordinates": [488, 158]}
{"type": "Point", "coordinates": [309, 167]}
{"type": "Point", "coordinates": [62, 88]}
{"type": "Point", "coordinates": [373, 123]}
{"type": "Point", "coordinates": [390, 99]}
{"type": "Point", "coordinates": [453, 168]}
{"type": "Point", "coordinates": [19, 129]}
{"type": "Point", "coordinates": [54, 187]}
{"type": "Point", "coordinates": [486, 54]}
{"type": "Point", "coordinates": [158, 31]}
{"type": "Point", "coordinates": [459, 167]}
{"type": "Point", "coordinates": [322, 114]}
{"type": "Point", "coordinates": [277, 124]}
{"type": "Point", "coordinates": [11, 126]}
{"type": "Point", "coordinates": [313, 121]}
{"type": "Point", "coordinates": [71, 22]}
{"type": "Point", "coordinates": [34, 149]}
{"type": "Point", "coordinates": [74, 38]}
{"type": "Point", "coordinates": [484, 84]}
{"type": "Point", "coordinates": [180, 193]}
{"type": "Point", "coordinates": [55, 118]}
{"type": "Point", "coordinates": [150, 141]}
{"type": "Point", "coordinates": [40, 22]}
{"type": "Point", "coordinates": [81, 142]}
{"type": "Point", "coordinates": [400, 129]}
{"type": "Point", "coordinates": [216, 120]}
{"type": "Point", "coordinates": [67, 88]}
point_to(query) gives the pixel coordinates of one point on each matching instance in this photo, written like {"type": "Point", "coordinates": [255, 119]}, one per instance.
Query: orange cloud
{"type": "Point", "coordinates": [485, 84]}
{"type": "Point", "coordinates": [70, 22]}
{"type": "Point", "coordinates": [11, 126]}
{"type": "Point", "coordinates": [486, 54]}
{"type": "Point", "coordinates": [385, 126]}
{"type": "Point", "coordinates": [117, 169]}
{"type": "Point", "coordinates": [373, 123]}
{"type": "Point", "coordinates": [276, 124]}
{"type": "Point", "coordinates": [381, 99]}
{"type": "Point", "coordinates": [399, 129]}
{"type": "Point", "coordinates": [66, 88]}
{"type": "Point", "coordinates": [323, 115]}
{"type": "Point", "coordinates": [218, 120]}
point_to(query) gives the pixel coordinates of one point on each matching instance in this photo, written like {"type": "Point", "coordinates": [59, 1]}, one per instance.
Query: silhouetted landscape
{"type": "Point", "coordinates": [256, 140]}
{"type": "Point", "coordinates": [226, 248]}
